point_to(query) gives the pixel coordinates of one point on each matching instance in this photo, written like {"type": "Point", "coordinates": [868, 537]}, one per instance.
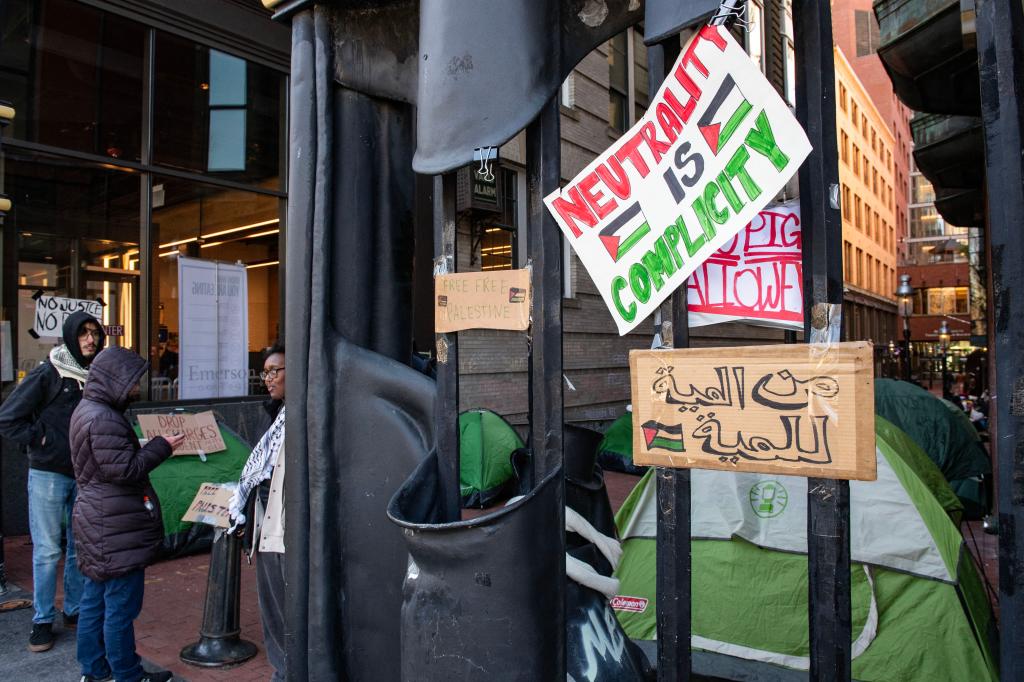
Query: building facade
{"type": "Point", "coordinates": [141, 134]}
{"type": "Point", "coordinates": [867, 194]}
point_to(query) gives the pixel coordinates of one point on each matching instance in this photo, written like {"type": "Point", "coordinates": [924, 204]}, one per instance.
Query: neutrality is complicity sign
{"type": "Point", "coordinates": [716, 145]}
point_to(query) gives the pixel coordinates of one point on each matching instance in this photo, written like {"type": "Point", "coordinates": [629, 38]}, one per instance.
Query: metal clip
{"type": "Point", "coordinates": [731, 11]}
{"type": "Point", "coordinates": [485, 155]}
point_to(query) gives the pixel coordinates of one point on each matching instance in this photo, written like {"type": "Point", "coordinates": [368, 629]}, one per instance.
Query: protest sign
{"type": "Point", "coordinates": [715, 146]}
{"type": "Point", "coordinates": [210, 505]}
{"type": "Point", "coordinates": [757, 277]}
{"type": "Point", "coordinates": [802, 410]}
{"type": "Point", "coordinates": [496, 299]}
{"type": "Point", "coordinates": [202, 435]}
{"type": "Point", "coordinates": [51, 311]}
{"type": "Point", "coordinates": [213, 318]}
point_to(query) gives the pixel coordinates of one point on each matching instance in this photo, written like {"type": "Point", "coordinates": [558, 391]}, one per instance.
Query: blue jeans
{"type": "Point", "coordinates": [50, 499]}
{"type": "Point", "coordinates": [106, 629]}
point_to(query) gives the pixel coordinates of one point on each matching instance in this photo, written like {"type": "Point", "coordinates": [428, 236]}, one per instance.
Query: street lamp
{"type": "Point", "coordinates": [905, 294]}
{"type": "Point", "coordinates": [944, 346]}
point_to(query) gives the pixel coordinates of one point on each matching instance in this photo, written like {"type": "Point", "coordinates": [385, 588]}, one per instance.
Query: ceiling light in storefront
{"type": "Point", "coordinates": [239, 238]}
{"type": "Point", "coordinates": [261, 265]}
{"type": "Point", "coordinates": [218, 234]}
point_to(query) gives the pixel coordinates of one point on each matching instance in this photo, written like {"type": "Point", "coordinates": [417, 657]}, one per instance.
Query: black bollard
{"type": "Point", "coordinates": [219, 643]}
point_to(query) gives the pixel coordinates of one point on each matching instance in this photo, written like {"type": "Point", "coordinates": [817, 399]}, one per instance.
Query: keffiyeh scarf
{"type": "Point", "coordinates": [255, 470]}
{"type": "Point", "coordinates": [66, 365]}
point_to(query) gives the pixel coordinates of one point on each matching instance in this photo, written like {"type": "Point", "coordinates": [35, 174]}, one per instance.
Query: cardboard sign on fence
{"type": "Point", "coordinates": [800, 410]}
{"type": "Point", "coordinates": [496, 299]}
{"type": "Point", "coordinates": [202, 435]}
{"type": "Point", "coordinates": [210, 506]}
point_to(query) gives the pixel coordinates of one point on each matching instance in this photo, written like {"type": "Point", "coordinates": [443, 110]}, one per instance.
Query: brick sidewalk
{"type": "Point", "coordinates": [171, 613]}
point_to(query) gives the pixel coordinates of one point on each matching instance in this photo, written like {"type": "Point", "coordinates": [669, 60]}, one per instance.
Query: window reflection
{"type": "Point", "coordinates": [216, 113]}
{"type": "Point", "coordinates": [74, 75]}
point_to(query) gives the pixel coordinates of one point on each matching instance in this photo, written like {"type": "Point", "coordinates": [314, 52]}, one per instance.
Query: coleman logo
{"type": "Point", "coordinates": [632, 604]}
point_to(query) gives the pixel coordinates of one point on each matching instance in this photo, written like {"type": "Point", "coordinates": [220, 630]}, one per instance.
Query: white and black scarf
{"type": "Point", "coordinates": [255, 470]}
{"type": "Point", "coordinates": [67, 366]}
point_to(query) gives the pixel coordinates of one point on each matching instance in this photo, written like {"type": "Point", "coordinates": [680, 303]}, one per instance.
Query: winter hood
{"type": "Point", "coordinates": [112, 376]}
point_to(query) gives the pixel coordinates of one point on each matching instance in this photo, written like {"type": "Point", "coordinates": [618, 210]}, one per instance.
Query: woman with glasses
{"type": "Point", "coordinates": [257, 511]}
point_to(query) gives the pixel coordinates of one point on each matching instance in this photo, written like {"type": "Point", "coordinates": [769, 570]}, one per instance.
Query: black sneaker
{"type": "Point", "coordinates": [89, 678]}
{"type": "Point", "coordinates": [41, 638]}
{"type": "Point", "coordinates": [70, 622]}
{"type": "Point", "coordinates": [162, 676]}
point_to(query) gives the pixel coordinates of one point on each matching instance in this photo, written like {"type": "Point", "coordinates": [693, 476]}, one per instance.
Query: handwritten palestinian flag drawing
{"type": "Point", "coordinates": [625, 232]}
{"type": "Point", "coordinates": [673, 441]}
{"type": "Point", "coordinates": [516, 295]}
{"type": "Point", "coordinates": [724, 115]}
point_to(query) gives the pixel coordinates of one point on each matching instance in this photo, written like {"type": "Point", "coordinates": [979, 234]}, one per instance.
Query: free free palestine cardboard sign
{"type": "Point", "coordinates": [715, 146]}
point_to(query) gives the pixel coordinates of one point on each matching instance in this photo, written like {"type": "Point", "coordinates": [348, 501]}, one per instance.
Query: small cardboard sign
{"type": "Point", "coordinates": [496, 299]}
{"type": "Point", "coordinates": [800, 410]}
{"type": "Point", "coordinates": [715, 145]}
{"type": "Point", "coordinates": [757, 277]}
{"type": "Point", "coordinates": [52, 311]}
{"type": "Point", "coordinates": [210, 505]}
{"type": "Point", "coordinates": [202, 435]}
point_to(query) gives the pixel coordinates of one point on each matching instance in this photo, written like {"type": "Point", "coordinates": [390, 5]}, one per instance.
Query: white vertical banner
{"type": "Point", "coordinates": [213, 329]}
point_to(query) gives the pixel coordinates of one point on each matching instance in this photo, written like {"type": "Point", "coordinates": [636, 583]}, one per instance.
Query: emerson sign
{"type": "Point", "coordinates": [716, 145]}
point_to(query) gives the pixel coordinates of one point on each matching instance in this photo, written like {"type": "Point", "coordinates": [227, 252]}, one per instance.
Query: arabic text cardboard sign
{"type": "Point", "coordinates": [757, 277]}
{"type": "Point", "coordinates": [496, 299]}
{"type": "Point", "coordinates": [794, 409]}
{"type": "Point", "coordinates": [210, 505]}
{"type": "Point", "coordinates": [202, 435]}
{"type": "Point", "coordinates": [715, 146]}
{"type": "Point", "coordinates": [51, 311]}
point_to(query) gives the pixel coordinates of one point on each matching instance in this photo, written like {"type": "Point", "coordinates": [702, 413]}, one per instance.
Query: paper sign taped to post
{"type": "Point", "coordinates": [801, 410]}
{"type": "Point", "coordinates": [210, 505]}
{"type": "Point", "coordinates": [202, 435]}
{"type": "Point", "coordinates": [495, 299]}
{"type": "Point", "coordinates": [715, 146]}
{"type": "Point", "coordinates": [757, 277]}
{"type": "Point", "coordinates": [52, 311]}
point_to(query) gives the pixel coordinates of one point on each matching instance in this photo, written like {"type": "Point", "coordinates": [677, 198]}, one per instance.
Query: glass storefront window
{"type": "Point", "coordinates": [925, 221]}
{"type": "Point", "coordinates": [74, 75]}
{"type": "Point", "coordinates": [204, 221]}
{"type": "Point", "coordinates": [216, 114]}
{"type": "Point", "coordinates": [74, 232]}
{"type": "Point", "coordinates": [941, 301]}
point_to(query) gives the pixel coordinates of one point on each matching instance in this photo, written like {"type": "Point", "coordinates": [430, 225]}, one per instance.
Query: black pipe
{"type": "Point", "coordinates": [828, 501]}
{"type": "Point", "coordinates": [1001, 70]}
{"type": "Point", "coordinates": [219, 642]}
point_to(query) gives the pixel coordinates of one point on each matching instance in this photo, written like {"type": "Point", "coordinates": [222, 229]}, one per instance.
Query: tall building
{"type": "Point", "coordinates": [867, 197]}
{"type": "Point", "coordinates": [855, 32]}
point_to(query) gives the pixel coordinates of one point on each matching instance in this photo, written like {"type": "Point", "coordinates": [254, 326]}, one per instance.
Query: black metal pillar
{"type": "Point", "coordinates": [446, 406]}
{"type": "Point", "coordinates": [1000, 25]}
{"type": "Point", "coordinates": [828, 519]}
{"type": "Point", "coordinates": [544, 244]}
{"type": "Point", "coordinates": [673, 535]}
{"type": "Point", "coordinates": [219, 642]}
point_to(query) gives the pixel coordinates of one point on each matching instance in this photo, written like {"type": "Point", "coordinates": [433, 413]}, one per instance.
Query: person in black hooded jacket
{"type": "Point", "coordinates": [117, 516]}
{"type": "Point", "coordinates": [36, 415]}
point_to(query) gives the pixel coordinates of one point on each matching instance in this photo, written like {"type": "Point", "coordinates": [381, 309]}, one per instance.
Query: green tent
{"type": "Point", "coordinates": [615, 451]}
{"type": "Point", "coordinates": [944, 433]}
{"type": "Point", "coordinates": [919, 607]}
{"type": "Point", "coordinates": [486, 443]}
{"type": "Point", "coordinates": [176, 482]}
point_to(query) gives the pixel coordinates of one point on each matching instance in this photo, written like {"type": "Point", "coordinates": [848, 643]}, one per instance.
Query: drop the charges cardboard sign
{"type": "Point", "coordinates": [715, 146]}
{"type": "Point", "coordinates": [797, 409]}
{"type": "Point", "coordinates": [202, 435]}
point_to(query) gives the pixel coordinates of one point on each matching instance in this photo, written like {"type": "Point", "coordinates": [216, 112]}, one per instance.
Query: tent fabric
{"type": "Point", "coordinates": [615, 451]}
{"type": "Point", "coordinates": [919, 607]}
{"type": "Point", "coordinates": [486, 443]}
{"type": "Point", "coordinates": [948, 439]}
{"type": "Point", "coordinates": [176, 482]}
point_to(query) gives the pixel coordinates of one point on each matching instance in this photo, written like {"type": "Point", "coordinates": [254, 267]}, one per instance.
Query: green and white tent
{"type": "Point", "coordinates": [920, 611]}
{"type": "Point", "coordinates": [486, 443]}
